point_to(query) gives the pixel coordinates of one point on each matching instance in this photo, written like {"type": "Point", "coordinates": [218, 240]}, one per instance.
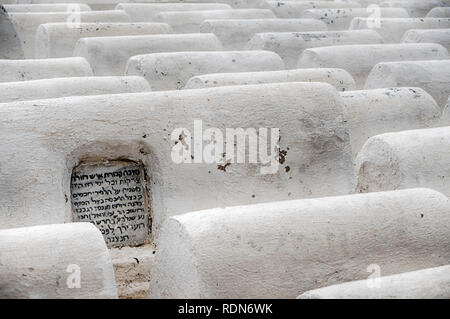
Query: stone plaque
{"type": "Point", "coordinates": [112, 196]}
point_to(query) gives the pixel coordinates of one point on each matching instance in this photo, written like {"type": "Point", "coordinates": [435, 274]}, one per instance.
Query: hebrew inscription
{"type": "Point", "coordinates": [112, 197]}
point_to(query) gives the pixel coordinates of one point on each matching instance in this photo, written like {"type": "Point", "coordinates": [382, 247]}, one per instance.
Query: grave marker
{"type": "Point", "coordinates": [112, 196]}
{"type": "Point", "coordinates": [290, 45]}
{"type": "Point", "coordinates": [359, 60]}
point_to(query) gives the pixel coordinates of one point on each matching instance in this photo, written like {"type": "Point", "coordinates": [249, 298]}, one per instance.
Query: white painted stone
{"type": "Point", "coordinates": [109, 55]}
{"type": "Point", "coordinates": [432, 76]}
{"type": "Point", "coordinates": [235, 33]}
{"type": "Point", "coordinates": [281, 249]}
{"type": "Point", "coordinates": [295, 9]}
{"type": "Point", "coordinates": [289, 45]}
{"type": "Point", "coordinates": [10, 47]}
{"type": "Point", "coordinates": [111, 4]}
{"type": "Point", "coordinates": [373, 112]}
{"type": "Point", "coordinates": [145, 12]}
{"type": "Point", "coordinates": [359, 60]}
{"type": "Point", "coordinates": [314, 150]}
{"type": "Point", "coordinates": [62, 87]}
{"type": "Point", "coordinates": [190, 21]}
{"type": "Point", "coordinates": [26, 24]}
{"type": "Point", "coordinates": [26, 70]}
{"type": "Point", "coordinates": [94, 4]}
{"type": "Point", "coordinates": [338, 78]}
{"type": "Point", "coordinates": [56, 40]}
{"type": "Point", "coordinates": [441, 36]}
{"type": "Point", "coordinates": [439, 12]}
{"type": "Point", "coordinates": [430, 283]}
{"type": "Point", "coordinates": [46, 7]}
{"type": "Point", "coordinates": [44, 262]}
{"type": "Point", "coordinates": [393, 29]}
{"type": "Point", "coordinates": [416, 158]}
{"type": "Point", "coordinates": [340, 19]}
{"type": "Point", "coordinates": [416, 8]}
{"type": "Point", "coordinates": [171, 71]}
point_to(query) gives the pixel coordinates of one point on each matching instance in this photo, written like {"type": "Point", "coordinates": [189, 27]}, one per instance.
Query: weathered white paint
{"type": "Point", "coordinates": [44, 261]}
{"type": "Point", "coordinates": [416, 8]}
{"type": "Point", "coordinates": [289, 45]}
{"type": "Point", "coordinates": [338, 78]}
{"type": "Point", "coordinates": [281, 249]}
{"type": "Point", "coordinates": [235, 33]}
{"type": "Point", "coordinates": [190, 21]}
{"type": "Point", "coordinates": [109, 55]}
{"type": "Point", "coordinates": [145, 12]}
{"type": "Point", "coordinates": [393, 29]}
{"type": "Point", "coordinates": [94, 4]}
{"type": "Point", "coordinates": [373, 112]}
{"type": "Point", "coordinates": [171, 71]}
{"type": "Point", "coordinates": [439, 12]}
{"type": "Point", "coordinates": [46, 7]}
{"type": "Point", "coordinates": [10, 47]}
{"type": "Point", "coordinates": [26, 24]}
{"type": "Point", "coordinates": [295, 9]}
{"type": "Point", "coordinates": [62, 87]}
{"type": "Point", "coordinates": [314, 142]}
{"type": "Point", "coordinates": [432, 76]}
{"type": "Point", "coordinates": [340, 19]}
{"type": "Point", "coordinates": [416, 158]}
{"type": "Point", "coordinates": [132, 267]}
{"type": "Point", "coordinates": [441, 36]}
{"type": "Point", "coordinates": [111, 4]}
{"type": "Point", "coordinates": [359, 60]}
{"type": "Point", "coordinates": [430, 283]}
{"type": "Point", "coordinates": [57, 40]}
{"type": "Point", "coordinates": [26, 70]}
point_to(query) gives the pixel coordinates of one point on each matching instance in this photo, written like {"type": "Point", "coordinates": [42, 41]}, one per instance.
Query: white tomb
{"type": "Point", "coordinates": [46, 7]}
{"type": "Point", "coordinates": [439, 12]}
{"type": "Point", "coordinates": [338, 78]}
{"type": "Point", "coordinates": [26, 24]}
{"type": "Point", "coordinates": [67, 261]}
{"type": "Point", "coordinates": [416, 8]}
{"type": "Point", "coordinates": [340, 19]}
{"type": "Point", "coordinates": [145, 12]}
{"type": "Point", "coordinates": [190, 21]}
{"type": "Point", "coordinates": [171, 71]}
{"type": "Point", "coordinates": [359, 60]}
{"type": "Point", "coordinates": [62, 87]}
{"type": "Point", "coordinates": [289, 45]}
{"type": "Point", "coordinates": [29, 69]}
{"type": "Point", "coordinates": [441, 36]}
{"type": "Point", "coordinates": [432, 76]}
{"type": "Point", "coordinates": [281, 249]}
{"type": "Point", "coordinates": [393, 29]}
{"type": "Point", "coordinates": [373, 112]}
{"type": "Point", "coordinates": [306, 138]}
{"type": "Point", "coordinates": [56, 40]}
{"type": "Point", "coordinates": [235, 33]}
{"type": "Point", "coordinates": [109, 55]}
{"type": "Point", "coordinates": [430, 283]}
{"type": "Point", "coordinates": [295, 9]}
{"type": "Point", "coordinates": [416, 158]}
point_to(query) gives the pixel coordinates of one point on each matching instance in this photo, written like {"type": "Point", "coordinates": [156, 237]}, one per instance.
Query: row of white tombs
{"type": "Point", "coordinates": [228, 149]}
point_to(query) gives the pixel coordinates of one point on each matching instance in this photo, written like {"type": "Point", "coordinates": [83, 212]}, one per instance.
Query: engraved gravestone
{"type": "Point", "coordinates": [112, 196]}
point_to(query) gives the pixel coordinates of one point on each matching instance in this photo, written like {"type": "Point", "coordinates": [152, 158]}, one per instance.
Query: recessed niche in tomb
{"type": "Point", "coordinates": [112, 196]}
